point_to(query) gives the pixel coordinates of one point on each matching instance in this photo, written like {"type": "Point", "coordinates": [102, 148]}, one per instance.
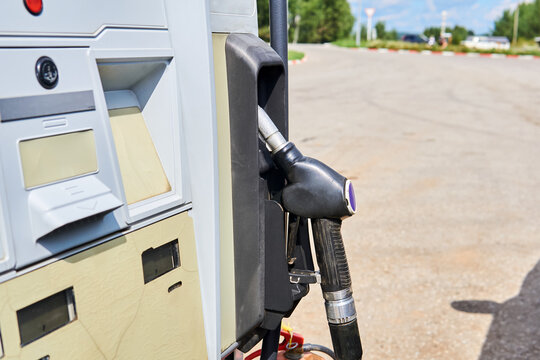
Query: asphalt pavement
{"type": "Point", "coordinates": [444, 153]}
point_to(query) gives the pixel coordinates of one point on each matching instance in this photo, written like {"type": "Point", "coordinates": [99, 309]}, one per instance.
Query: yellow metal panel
{"type": "Point", "coordinates": [228, 301]}
{"type": "Point", "coordinates": [118, 316]}
{"type": "Point", "coordinates": [142, 172]}
{"type": "Point", "coordinates": [58, 157]}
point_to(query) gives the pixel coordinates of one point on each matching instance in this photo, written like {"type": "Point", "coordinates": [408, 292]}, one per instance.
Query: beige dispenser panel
{"type": "Point", "coordinates": [142, 173]}
{"type": "Point", "coordinates": [54, 158]}
{"type": "Point", "coordinates": [116, 315]}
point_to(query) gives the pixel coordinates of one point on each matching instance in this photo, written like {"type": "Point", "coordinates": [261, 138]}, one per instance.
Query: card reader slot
{"type": "Point", "coordinates": [159, 261]}
{"type": "Point", "coordinates": [27, 107]}
{"type": "Point", "coordinates": [45, 316]}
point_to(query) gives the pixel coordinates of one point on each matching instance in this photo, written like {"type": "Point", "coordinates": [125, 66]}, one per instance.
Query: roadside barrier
{"type": "Point", "coordinates": [449, 53]}
{"type": "Point", "coordinates": [295, 62]}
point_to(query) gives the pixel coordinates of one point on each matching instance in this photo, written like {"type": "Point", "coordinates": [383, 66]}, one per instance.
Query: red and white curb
{"type": "Point", "coordinates": [450, 53]}
{"type": "Point", "coordinates": [295, 62]}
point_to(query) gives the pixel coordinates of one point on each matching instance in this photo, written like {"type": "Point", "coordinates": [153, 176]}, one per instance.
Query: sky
{"type": "Point", "coordinates": [416, 15]}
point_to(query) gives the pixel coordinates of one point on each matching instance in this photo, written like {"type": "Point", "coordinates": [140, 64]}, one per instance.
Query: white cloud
{"type": "Point", "coordinates": [431, 5]}
{"type": "Point", "coordinates": [497, 11]}
{"type": "Point", "coordinates": [381, 4]}
{"type": "Point", "coordinates": [394, 16]}
{"type": "Point", "coordinates": [385, 3]}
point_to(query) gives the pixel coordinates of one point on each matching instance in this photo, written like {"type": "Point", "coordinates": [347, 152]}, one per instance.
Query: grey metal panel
{"type": "Point", "coordinates": [26, 107]}
{"type": "Point", "coordinates": [233, 16]}
{"type": "Point", "coordinates": [188, 23]}
{"type": "Point", "coordinates": [75, 18]}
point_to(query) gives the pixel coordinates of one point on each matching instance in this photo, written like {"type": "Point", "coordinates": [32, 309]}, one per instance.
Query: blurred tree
{"type": "Point", "coordinates": [391, 35]}
{"type": "Point", "coordinates": [319, 20]}
{"type": "Point", "coordinates": [263, 19]}
{"type": "Point", "coordinates": [459, 33]}
{"type": "Point", "coordinates": [364, 33]}
{"type": "Point", "coordinates": [383, 34]}
{"type": "Point", "coordinates": [433, 31]}
{"type": "Point", "coordinates": [380, 27]}
{"type": "Point", "coordinates": [311, 20]}
{"type": "Point", "coordinates": [529, 22]}
{"type": "Point", "coordinates": [294, 17]}
{"type": "Point", "coordinates": [504, 25]}
{"type": "Point", "coordinates": [337, 20]}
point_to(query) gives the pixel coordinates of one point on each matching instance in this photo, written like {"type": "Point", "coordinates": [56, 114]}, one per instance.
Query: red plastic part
{"type": "Point", "coordinates": [35, 7]}
{"type": "Point", "coordinates": [290, 342]}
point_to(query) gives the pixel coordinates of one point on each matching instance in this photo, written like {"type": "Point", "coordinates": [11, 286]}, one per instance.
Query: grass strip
{"type": "Point", "coordinates": [295, 55]}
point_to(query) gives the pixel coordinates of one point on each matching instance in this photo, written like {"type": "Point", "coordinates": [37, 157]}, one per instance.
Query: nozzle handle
{"type": "Point", "coordinates": [336, 288]}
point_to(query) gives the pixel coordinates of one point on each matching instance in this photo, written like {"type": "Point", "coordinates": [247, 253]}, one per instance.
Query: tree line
{"type": "Point", "coordinates": [312, 21]}
{"type": "Point", "coordinates": [319, 21]}
{"type": "Point", "coordinates": [459, 33]}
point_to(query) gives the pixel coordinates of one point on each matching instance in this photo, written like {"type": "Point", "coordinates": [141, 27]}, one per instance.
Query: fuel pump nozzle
{"type": "Point", "coordinates": [316, 191]}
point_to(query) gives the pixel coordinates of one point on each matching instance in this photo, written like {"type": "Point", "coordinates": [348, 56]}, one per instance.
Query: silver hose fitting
{"type": "Point", "coordinates": [270, 133]}
{"type": "Point", "coordinates": [339, 306]}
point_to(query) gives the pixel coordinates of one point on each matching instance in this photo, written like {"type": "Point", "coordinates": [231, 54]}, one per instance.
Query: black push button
{"type": "Point", "coordinates": [46, 72]}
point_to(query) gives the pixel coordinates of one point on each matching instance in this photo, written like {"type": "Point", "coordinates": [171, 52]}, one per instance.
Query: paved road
{"type": "Point", "coordinates": [445, 158]}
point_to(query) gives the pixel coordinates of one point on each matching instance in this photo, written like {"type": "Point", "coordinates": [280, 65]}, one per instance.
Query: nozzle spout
{"type": "Point", "coordinates": [270, 133]}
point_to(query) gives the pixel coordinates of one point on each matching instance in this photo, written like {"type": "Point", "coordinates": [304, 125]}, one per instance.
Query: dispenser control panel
{"type": "Point", "coordinates": [90, 139]}
{"type": "Point", "coordinates": [59, 176]}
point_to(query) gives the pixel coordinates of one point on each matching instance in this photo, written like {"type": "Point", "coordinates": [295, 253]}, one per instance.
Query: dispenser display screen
{"type": "Point", "coordinates": [59, 157]}
{"type": "Point", "coordinates": [142, 172]}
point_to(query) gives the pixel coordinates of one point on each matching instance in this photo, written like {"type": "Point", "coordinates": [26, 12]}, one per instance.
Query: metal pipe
{"type": "Point", "coordinates": [278, 29]}
{"type": "Point", "coordinates": [279, 39]}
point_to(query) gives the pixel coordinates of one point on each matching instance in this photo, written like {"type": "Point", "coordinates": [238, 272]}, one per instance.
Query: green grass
{"type": "Point", "coordinates": [295, 55]}
{"type": "Point", "coordinates": [349, 42]}
{"type": "Point", "coordinates": [401, 45]}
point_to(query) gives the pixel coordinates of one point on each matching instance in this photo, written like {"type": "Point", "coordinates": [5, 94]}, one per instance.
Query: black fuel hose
{"type": "Point", "coordinates": [336, 288]}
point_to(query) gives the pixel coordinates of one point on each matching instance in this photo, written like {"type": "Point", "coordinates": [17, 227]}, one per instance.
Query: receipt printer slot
{"type": "Point", "coordinates": [60, 204]}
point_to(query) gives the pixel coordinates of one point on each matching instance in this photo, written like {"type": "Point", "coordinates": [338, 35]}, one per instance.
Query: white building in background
{"type": "Point", "coordinates": [487, 42]}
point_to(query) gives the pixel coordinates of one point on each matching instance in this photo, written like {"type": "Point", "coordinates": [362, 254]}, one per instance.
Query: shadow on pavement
{"type": "Point", "coordinates": [515, 330]}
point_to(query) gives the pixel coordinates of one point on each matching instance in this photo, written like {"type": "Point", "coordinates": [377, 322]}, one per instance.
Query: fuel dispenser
{"type": "Point", "coordinates": [151, 206]}
{"type": "Point", "coordinates": [101, 242]}
{"type": "Point", "coordinates": [271, 178]}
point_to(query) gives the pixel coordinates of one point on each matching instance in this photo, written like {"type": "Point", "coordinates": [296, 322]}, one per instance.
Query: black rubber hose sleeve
{"type": "Point", "coordinates": [331, 257]}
